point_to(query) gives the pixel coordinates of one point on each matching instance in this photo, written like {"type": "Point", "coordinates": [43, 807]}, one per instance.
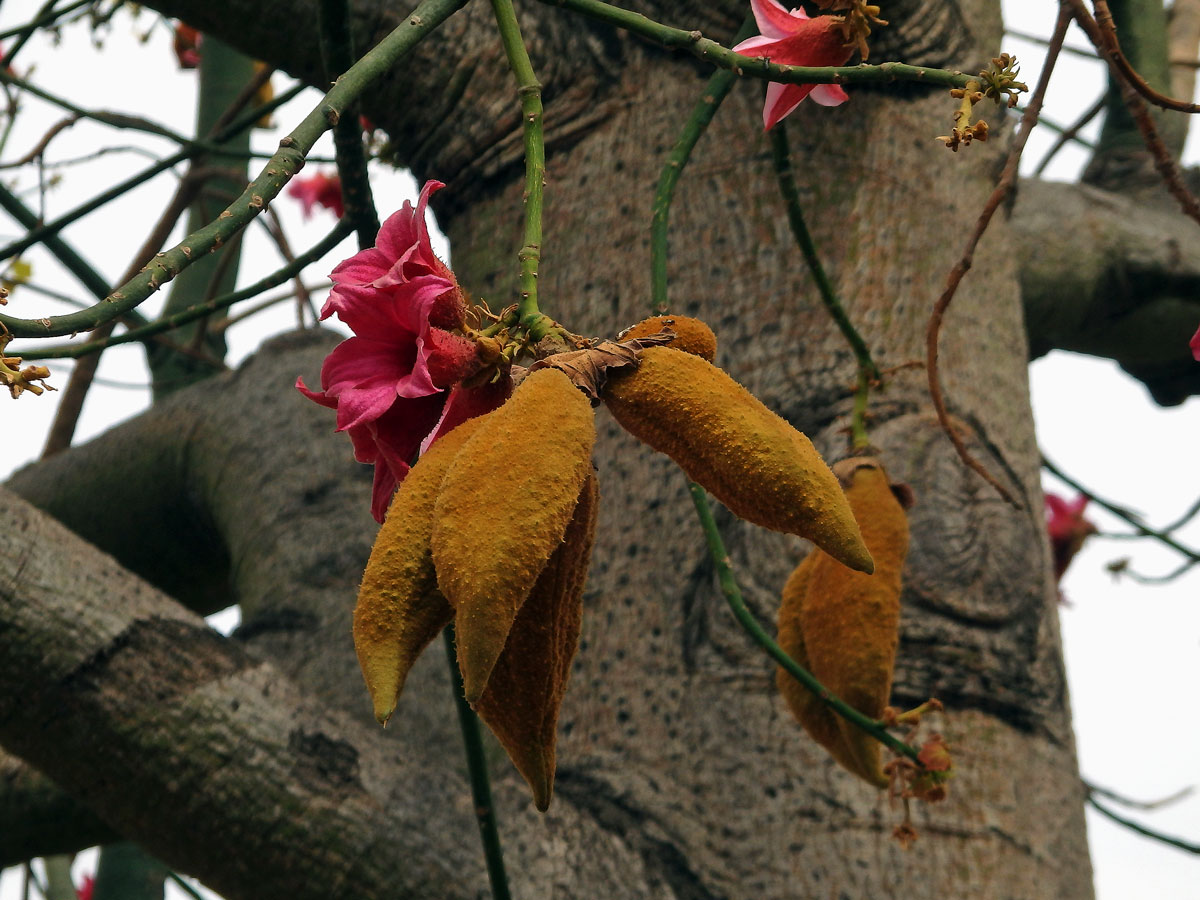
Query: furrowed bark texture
{"type": "Point", "coordinates": [678, 762]}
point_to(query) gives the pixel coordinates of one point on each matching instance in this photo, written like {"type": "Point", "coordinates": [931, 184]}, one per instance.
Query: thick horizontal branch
{"type": "Point", "coordinates": [1127, 288]}
{"type": "Point", "coordinates": [40, 819]}
{"type": "Point", "coordinates": [184, 741]}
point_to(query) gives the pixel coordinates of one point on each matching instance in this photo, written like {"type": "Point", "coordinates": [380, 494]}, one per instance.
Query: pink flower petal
{"type": "Point", "coordinates": [379, 380]}
{"type": "Point", "coordinates": [774, 20]}
{"type": "Point", "coordinates": [468, 403]}
{"type": "Point", "coordinates": [829, 95]}
{"type": "Point", "coordinates": [749, 45]}
{"type": "Point", "coordinates": [781, 100]}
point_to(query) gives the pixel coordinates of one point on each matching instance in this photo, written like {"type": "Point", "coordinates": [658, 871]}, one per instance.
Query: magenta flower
{"type": "Point", "coordinates": [389, 382]}
{"type": "Point", "coordinates": [793, 39]}
{"type": "Point", "coordinates": [1194, 343]}
{"type": "Point", "coordinates": [1068, 529]}
{"type": "Point", "coordinates": [322, 189]}
{"type": "Point", "coordinates": [187, 46]}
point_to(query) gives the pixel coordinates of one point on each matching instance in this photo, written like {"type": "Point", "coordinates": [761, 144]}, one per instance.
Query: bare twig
{"type": "Point", "coordinates": [1167, 167]}
{"type": "Point", "coordinates": [1187, 846]}
{"type": "Point", "coordinates": [1110, 48]}
{"type": "Point", "coordinates": [1181, 794]}
{"type": "Point", "coordinates": [1070, 133]}
{"type": "Point", "coordinates": [1003, 186]}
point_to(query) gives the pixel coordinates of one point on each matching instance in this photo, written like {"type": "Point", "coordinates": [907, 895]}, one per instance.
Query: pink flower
{"type": "Point", "coordinates": [1068, 529]}
{"type": "Point", "coordinates": [187, 46]}
{"type": "Point", "coordinates": [320, 188]}
{"type": "Point", "coordinates": [1194, 343]}
{"type": "Point", "coordinates": [388, 383]}
{"type": "Point", "coordinates": [793, 39]}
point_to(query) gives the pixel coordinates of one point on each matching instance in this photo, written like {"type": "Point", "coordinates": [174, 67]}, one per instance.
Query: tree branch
{"type": "Point", "coordinates": [1127, 289]}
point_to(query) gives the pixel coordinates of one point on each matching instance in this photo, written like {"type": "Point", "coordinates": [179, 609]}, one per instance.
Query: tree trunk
{"type": "Point", "coordinates": [677, 759]}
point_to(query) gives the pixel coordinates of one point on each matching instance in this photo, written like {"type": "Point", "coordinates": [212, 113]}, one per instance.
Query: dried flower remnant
{"type": "Point", "coordinates": [318, 190]}
{"type": "Point", "coordinates": [389, 382]}
{"type": "Point", "coordinates": [794, 39]}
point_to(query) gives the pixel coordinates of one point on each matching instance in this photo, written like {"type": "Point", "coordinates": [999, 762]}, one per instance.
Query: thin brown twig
{"type": "Point", "coordinates": [245, 95]}
{"type": "Point", "coordinates": [1070, 133]}
{"type": "Point", "coordinates": [1166, 165]}
{"type": "Point", "coordinates": [303, 298]}
{"type": "Point", "coordinates": [1003, 186]}
{"type": "Point", "coordinates": [83, 373]}
{"type": "Point", "coordinates": [1110, 48]}
{"type": "Point", "coordinates": [40, 147]}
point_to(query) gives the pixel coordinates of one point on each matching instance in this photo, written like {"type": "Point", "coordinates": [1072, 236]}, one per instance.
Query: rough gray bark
{"type": "Point", "coordinates": [680, 773]}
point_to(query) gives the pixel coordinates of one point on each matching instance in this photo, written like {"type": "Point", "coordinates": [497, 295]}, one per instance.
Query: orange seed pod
{"type": "Point", "coordinates": [502, 511]}
{"type": "Point", "coordinates": [691, 335]}
{"type": "Point", "coordinates": [726, 440]}
{"type": "Point", "coordinates": [524, 693]}
{"type": "Point", "coordinates": [399, 608]}
{"type": "Point", "coordinates": [845, 624]}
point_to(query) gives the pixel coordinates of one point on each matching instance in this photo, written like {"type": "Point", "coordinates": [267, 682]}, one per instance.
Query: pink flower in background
{"type": "Point", "coordinates": [187, 46]}
{"type": "Point", "coordinates": [320, 189]}
{"type": "Point", "coordinates": [388, 383]}
{"type": "Point", "coordinates": [793, 39]}
{"type": "Point", "coordinates": [1194, 343]}
{"type": "Point", "coordinates": [1068, 529]}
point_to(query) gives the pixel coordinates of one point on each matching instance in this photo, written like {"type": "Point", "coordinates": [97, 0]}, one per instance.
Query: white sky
{"type": "Point", "coordinates": [1132, 651]}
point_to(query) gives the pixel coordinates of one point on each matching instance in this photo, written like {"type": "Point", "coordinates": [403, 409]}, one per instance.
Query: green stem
{"type": "Point", "coordinates": [337, 51]}
{"type": "Point", "coordinates": [1142, 829]}
{"type": "Point", "coordinates": [530, 91]}
{"type": "Point", "coordinates": [282, 166]}
{"type": "Point", "coordinates": [1133, 519]}
{"type": "Point", "coordinates": [184, 886]}
{"type": "Point", "coordinates": [481, 789]}
{"type": "Point", "coordinates": [718, 87]}
{"type": "Point", "coordinates": [47, 15]}
{"type": "Point", "coordinates": [867, 370]}
{"type": "Point", "coordinates": [190, 314]}
{"type": "Point", "coordinates": [756, 67]}
{"type": "Point", "coordinates": [62, 251]}
{"type": "Point", "coordinates": [733, 596]}
{"type": "Point", "coordinates": [192, 148]}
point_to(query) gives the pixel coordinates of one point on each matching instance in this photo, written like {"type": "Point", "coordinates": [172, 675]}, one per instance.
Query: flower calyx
{"type": "Point", "coordinates": [1000, 81]}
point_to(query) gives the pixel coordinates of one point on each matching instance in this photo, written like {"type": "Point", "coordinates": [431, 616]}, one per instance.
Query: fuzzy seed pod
{"type": "Point", "coordinates": [691, 335]}
{"type": "Point", "coordinates": [502, 511]}
{"type": "Point", "coordinates": [399, 607]}
{"type": "Point", "coordinates": [523, 695]}
{"type": "Point", "coordinates": [749, 458]}
{"type": "Point", "coordinates": [842, 625]}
